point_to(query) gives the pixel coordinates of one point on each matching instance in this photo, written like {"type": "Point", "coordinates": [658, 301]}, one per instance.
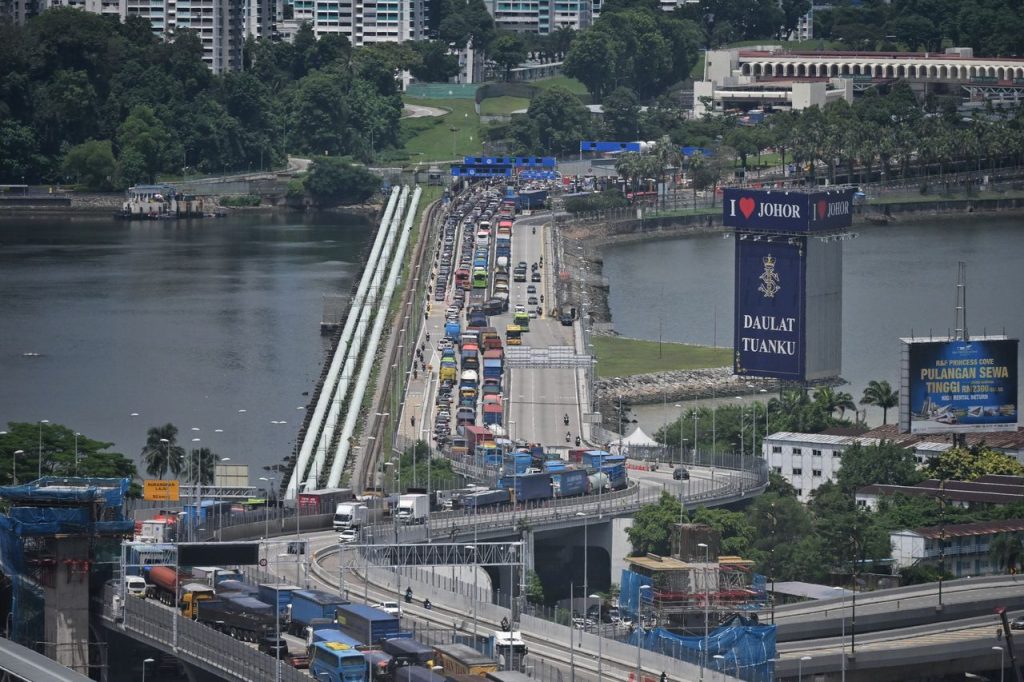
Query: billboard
{"type": "Point", "coordinates": [959, 386]}
{"type": "Point", "coordinates": [769, 327]}
{"type": "Point", "coordinates": [786, 210]}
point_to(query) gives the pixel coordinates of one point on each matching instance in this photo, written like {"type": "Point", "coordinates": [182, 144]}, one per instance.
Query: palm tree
{"type": "Point", "coordinates": [1007, 551]}
{"type": "Point", "coordinates": [880, 394]}
{"type": "Point", "coordinates": [844, 402]}
{"type": "Point", "coordinates": [826, 397]}
{"type": "Point", "coordinates": [202, 465]}
{"type": "Point", "coordinates": [161, 451]}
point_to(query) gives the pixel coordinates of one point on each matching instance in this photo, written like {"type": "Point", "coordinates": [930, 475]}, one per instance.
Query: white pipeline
{"type": "Point", "coordinates": [369, 358]}
{"type": "Point", "coordinates": [348, 371]}
{"type": "Point", "coordinates": [330, 381]}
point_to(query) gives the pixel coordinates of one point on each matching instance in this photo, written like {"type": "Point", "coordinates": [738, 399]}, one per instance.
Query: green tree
{"type": "Point", "coordinates": [967, 464]}
{"type": "Point", "coordinates": [560, 120]}
{"type": "Point", "coordinates": [200, 466]}
{"type": "Point", "coordinates": [91, 164]}
{"type": "Point", "coordinates": [621, 112]}
{"type": "Point", "coordinates": [508, 51]}
{"type": "Point", "coordinates": [590, 60]}
{"type": "Point", "coordinates": [534, 588]}
{"type": "Point", "coordinates": [436, 63]}
{"type": "Point", "coordinates": [63, 454]}
{"type": "Point", "coordinates": [651, 531]}
{"type": "Point", "coordinates": [161, 453]}
{"type": "Point", "coordinates": [333, 182]}
{"type": "Point", "coordinates": [1007, 551]}
{"type": "Point", "coordinates": [884, 464]}
{"type": "Point", "coordinates": [880, 394]}
{"type": "Point", "coordinates": [145, 136]}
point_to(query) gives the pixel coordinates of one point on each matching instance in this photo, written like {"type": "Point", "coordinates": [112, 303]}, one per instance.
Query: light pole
{"type": "Point", "coordinates": [41, 422]}
{"type": "Point", "coordinates": [842, 634]}
{"type": "Point", "coordinates": [721, 664]}
{"type": "Point", "coordinates": [707, 611]}
{"type": "Point", "coordinates": [1002, 662]}
{"type": "Point", "coordinates": [266, 517]}
{"type": "Point", "coordinates": [586, 551]}
{"type": "Point", "coordinates": [740, 398]}
{"type": "Point", "coordinates": [14, 466]}
{"type": "Point", "coordinates": [145, 662]}
{"type": "Point", "coordinates": [476, 570]}
{"type": "Point", "coordinates": [77, 434]}
{"type": "Point", "coordinates": [800, 668]}
{"type": "Point", "coordinates": [600, 638]}
{"type": "Point", "coordinates": [639, 625]}
{"type": "Point", "coordinates": [299, 548]}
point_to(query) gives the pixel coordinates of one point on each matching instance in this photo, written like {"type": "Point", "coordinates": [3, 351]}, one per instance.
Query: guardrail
{"type": "Point", "coordinates": [193, 643]}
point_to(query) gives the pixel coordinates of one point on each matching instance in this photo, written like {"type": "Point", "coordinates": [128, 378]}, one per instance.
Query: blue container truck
{"type": "Point", "coordinates": [366, 624]}
{"type": "Point", "coordinates": [492, 368]}
{"type": "Point", "coordinates": [593, 459]}
{"type": "Point", "coordinates": [237, 587]}
{"type": "Point", "coordinates": [406, 651]}
{"type": "Point", "coordinates": [310, 607]}
{"type": "Point", "coordinates": [277, 594]}
{"type": "Point", "coordinates": [523, 460]}
{"type": "Point", "coordinates": [554, 465]}
{"type": "Point", "coordinates": [531, 487]}
{"type": "Point", "coordinates": [570, 482]}
{"type": "Point", "coordinates": [453, 331]}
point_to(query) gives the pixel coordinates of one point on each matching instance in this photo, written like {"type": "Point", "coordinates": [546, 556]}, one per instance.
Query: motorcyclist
{"type": "Point", "coordinates": [577, 441]}
{"type": "Point", "coordinates": [565, 419]}
{"type": "Point", "coordinates": [408, 595]}
{"type": "Point", "coordinates": [427, 605]}
{"type": "Point", "coordinates": [568, 437]}
{"type": "Point", "coordinates": [535, 229]}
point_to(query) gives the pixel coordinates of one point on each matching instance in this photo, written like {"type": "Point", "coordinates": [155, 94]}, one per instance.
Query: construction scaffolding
{"type": "Point", "coordinates": [59, 536]}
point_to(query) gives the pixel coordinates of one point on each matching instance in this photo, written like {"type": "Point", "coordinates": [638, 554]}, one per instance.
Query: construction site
{"type": "Point", "coordinates": [699, 606]}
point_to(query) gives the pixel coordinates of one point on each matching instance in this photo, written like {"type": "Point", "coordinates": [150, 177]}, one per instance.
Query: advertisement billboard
{"type": "Point", "coordinates": [769, 309]}
{"type": "Point", "coordinates": [959, 386]}
{"type": "Point", "coordinates": [787, 211]}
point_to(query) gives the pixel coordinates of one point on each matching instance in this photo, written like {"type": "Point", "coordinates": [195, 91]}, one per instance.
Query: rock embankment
{"type": "Point", "coordinates": [678, 385]}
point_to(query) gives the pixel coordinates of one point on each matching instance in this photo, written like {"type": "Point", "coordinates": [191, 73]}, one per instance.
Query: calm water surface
{"type": "Point", "coordinates": [898, 280]}
{"type": "Point", "coordinates": [182, 322]}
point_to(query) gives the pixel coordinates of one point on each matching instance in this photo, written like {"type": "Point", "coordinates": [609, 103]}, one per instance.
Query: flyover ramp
{"type": "Point", "coordinates": [20, 663]}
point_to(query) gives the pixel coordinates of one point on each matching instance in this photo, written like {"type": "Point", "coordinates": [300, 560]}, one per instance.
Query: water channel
{"type": "Point", "coordinates": [898, 280]}
{"type": "Point", "coordinates": [208, 324]}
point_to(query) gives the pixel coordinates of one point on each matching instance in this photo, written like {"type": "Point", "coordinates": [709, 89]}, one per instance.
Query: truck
{"type": "Point", "coordinates": [453, 331]}
{"type": "Point", "coordinates": [493, 367]}
{"type": "Point", "coordinates": [244, 618]}
{"type": "Point", "coordinates": [511, 646]}
{"type": "Point", "coordinates": [485, 498]}
{"type": "Point", "coordinates": [214, 575]}
{"type": "Point", "coordinates": [365, 623]}
{"type": "Point", "coordinates": [469, 377]}
{"type": "Point", "coordinates": [413, 508]}
{"type": "Point", "coordinates": [494, 414]}
{"type": "Point", "coordinates": [412, 673]}
{"type": "Point", "coordinates": [475, 435]}
{"type": "Point", "coordinates": [570, 482]}
{"type": "Point", "coordinates": [566, 315]}
{"type": "Point", "coordinates": [324, 501]}
{"type": "Point", "coordinates": [406, 651]}
{"type": "Point", "coordinates": [531, 487]}
{"type": "Point", "coordinates": [459, 659]}
{"type": "Point", "coordinates": [313, 605]}
{"type": "Point", "coordinates": [165, 584]}
{"type": "Point", "coordinates": [350, 515]}
{"type": "Point", "coordinates": [236, 587]}
{"type": "Point", "coordinates": [277, 594]}
{"type": "Point", "coordinates": [157, 531]}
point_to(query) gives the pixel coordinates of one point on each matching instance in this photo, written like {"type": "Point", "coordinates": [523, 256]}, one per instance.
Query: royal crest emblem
{"type": "Point", "coordinates": [770, 284]}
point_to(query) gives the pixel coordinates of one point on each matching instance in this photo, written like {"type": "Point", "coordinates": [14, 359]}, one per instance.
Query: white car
{"type": "Point", "coordinates": [348, 535]}
{"type": "Point", "coordinates": [135, 585]}
{"type": "Point", "coordinates": [390, 607]}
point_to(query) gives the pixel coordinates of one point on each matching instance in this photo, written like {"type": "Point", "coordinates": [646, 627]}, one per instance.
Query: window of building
{"type": "Point", "coordinates": [815, 453]}
{"type": "Point", "coordinates": [797, 471]}
{"type": "Point", "coordinates": [797, 451]}
{"type": "Point", "coordinates": [799, 492]}
{"type": "Point", "coordinates": [862, 503]}
{"type": "Point", "coordinates": [816, 473]}
{"type": "Point", "coordinates": [777, 470]}
{"type": "Point", "coordinates": [777, 449]}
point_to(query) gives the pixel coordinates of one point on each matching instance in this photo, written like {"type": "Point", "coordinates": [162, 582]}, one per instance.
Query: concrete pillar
{"type": "Point", "coordinates": [66, 610]}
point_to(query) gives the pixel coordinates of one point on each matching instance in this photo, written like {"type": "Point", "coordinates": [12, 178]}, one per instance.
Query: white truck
{"type": "Point", "coordinates": [413, 508]}
{"type": "Point", "coordinates": [350, 515]}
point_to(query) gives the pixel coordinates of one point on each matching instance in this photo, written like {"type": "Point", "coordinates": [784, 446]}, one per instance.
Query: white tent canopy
{"type": "Point", "coordinates": [636, 439]}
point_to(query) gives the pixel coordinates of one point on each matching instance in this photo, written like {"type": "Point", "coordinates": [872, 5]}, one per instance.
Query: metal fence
{"type": "Point", "coordinates": [193, 643]}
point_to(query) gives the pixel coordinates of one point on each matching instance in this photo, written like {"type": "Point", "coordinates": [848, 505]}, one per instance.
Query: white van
{"type": "Point", "coordinates": [135, 585]}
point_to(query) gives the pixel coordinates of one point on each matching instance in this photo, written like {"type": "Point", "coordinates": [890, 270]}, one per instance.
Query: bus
{"type": "Point", "coordinates": [479, 278]}
{"type": "Point", "coordinates": [337, 661]}
{"type": "Point", "coordinates": [513, 335]}
{"type": "Point", "coordinates": [522, 320]}
{"type": "Point", "coordinates": [462, 280]}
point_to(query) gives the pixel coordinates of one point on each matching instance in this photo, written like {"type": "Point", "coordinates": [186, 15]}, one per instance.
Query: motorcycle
{"type": "Point", "coordinates": [535, 230]}
{"type": "Point", "coordinates": [565, 419]}
{"type": "Point", "coordinates": [577, 441]}
{"type": "Point", "coordinates": [568, 438]}
{"type": "Point", "coordinates": [408, 595]}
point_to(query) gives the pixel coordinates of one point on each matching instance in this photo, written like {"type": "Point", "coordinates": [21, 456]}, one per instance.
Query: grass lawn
{"type": "Point", "coordinates": [617, 356]}
{"type": "Point", "coordinates": [503, 105]}
{"type": "Point", "coordinates": [570, 84]}
{"type": "Point", "coordinates": [430, 138]}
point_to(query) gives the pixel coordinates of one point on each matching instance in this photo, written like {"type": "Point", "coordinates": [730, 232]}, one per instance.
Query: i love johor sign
{"type": "Point", "coordinates": [787, 211]}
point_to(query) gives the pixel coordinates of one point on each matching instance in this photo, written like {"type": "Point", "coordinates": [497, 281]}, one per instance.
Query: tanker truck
{"type": "Point", "coordinates": [165, 585]}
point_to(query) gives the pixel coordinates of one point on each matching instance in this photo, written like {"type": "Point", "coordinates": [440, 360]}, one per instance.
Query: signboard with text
{"type": "Point", "coordinates": [959, 386]}
{"type": "Point", "coordinates": [787, 211]}
{"type": "Point", "coordinates": [156, 490]}
{"type": "Point", "coordinates": [769, 325]}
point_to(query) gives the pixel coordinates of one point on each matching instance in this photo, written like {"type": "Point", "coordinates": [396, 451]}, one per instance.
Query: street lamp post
{"type": "Point", "coordinates": [77, 434]}
{"type": "Point", "coordinates": [476, 571]}
{"type": "Point", "coordinates": [299, 548]}
{"type": "Point", "coordinates": [842, 635]}
{"type": "Point", "coordinates": [600, 638]}
{"type": "Point", "coordinates": [586, 551]}
{"type": "Point", "coordinates": [266, 517]}
{"type": "Point", "coordinates": [14, 466]}
{"type": "Point", "coordinates": [1002, 662]}
{"type": "Point", "coordinates": [41, 422]}
{"type": "Point", "coordinates": [800, 668]}
{"type": "Point", "coordinates": [707, 611]}
{"type": "Point", "coordinates": [639, 626]}
{"type": "Point", "coordinates": [145, 662]}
